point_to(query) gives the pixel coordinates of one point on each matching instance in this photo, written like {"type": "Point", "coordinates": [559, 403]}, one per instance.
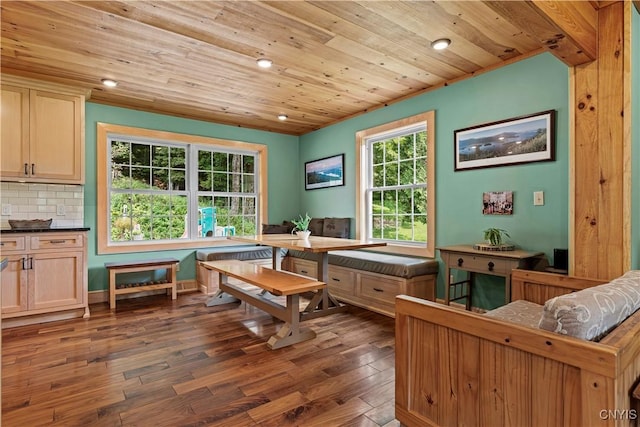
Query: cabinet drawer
{"type": "Point", "coordinates": [304, 267]}
{"type": "Point", "coordinates": [57, 241]}
{"type": "Point", "coordinates": [478, 263]}
{"type": "Point", "coordinates": [12, 243]}
{"type": "Point", "coordinates": [341, 282]}
{"type": "Point", "coordinates": [379, 289]}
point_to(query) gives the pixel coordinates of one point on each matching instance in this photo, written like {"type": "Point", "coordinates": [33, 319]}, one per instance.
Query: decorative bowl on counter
{"type": "Point", "coordinates": [30, 224]}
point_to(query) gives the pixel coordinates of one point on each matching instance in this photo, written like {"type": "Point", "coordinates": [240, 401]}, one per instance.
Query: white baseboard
{"type": "Point", "coordinates": [98, 297]}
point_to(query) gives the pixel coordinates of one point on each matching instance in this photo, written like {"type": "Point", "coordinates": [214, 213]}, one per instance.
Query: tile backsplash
{"type": "Point", "coordinates": [63, 203]}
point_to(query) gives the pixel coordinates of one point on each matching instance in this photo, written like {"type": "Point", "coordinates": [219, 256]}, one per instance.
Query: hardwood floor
{"type": "Point", "coordinates": [157, 362]}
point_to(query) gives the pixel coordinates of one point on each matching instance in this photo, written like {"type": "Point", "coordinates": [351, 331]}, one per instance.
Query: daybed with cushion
{"type": "Point", "coordinates": [566, 352]}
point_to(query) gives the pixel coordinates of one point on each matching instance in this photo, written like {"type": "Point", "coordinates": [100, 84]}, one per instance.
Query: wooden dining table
{"type": "Point", "coordinates": [322, 303]}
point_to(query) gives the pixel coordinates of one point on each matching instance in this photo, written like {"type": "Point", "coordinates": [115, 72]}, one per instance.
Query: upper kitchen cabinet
{"type": "Point", "coordinates": [42, 136]}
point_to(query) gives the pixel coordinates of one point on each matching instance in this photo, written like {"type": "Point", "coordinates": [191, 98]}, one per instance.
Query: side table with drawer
{"type": "Point", "coordinates": [494, 263]}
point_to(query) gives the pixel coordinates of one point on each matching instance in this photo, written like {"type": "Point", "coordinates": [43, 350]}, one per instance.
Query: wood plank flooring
{"type": "Point", "coordinates": [158, 362]}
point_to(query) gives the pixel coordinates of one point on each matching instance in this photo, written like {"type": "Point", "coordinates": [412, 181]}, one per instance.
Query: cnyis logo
{"type": "Point", "coordinates": [618, 414]}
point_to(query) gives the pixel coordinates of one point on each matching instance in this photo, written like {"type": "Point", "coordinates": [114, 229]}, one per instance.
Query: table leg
{"type": "Point", "coordinates": [220, 297]}
{"type": "Point", "coordinates": [112, 289]}
{"type": "Point", "coordinates": [472, 280]}
{"type": "Point", "coordinates": [276, 258]}
{"type": "Point", "coordinates": [323, 276]}
{"type": "Point", "coordinates": [290, 333]}
{"type": "Point", "coordinates": [447, 285]}
{"type": "Point", "coordinates": [322, 303]}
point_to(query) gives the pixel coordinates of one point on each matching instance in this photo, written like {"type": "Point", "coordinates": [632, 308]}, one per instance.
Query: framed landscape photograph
{"type": "Point", "coordinates": [518, 140]}
{"type": "Point", "coordinates": [325, 172]}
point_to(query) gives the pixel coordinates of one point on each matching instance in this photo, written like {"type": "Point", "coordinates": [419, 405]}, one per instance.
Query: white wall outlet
{"type": "Point", "coordinates": [60, 210]}
{"type": "Point", "coordinates": [6, 209]}
{"type": "Point", "coordinates": [178, 267]}
{"type": "Point", "coordinates": [538, 198]}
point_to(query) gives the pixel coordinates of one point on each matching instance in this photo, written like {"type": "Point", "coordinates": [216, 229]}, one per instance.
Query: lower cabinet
{"type": "Point", "coordinates": [45, 279]}
{"type": "Point", "coordinates": [373, 291]}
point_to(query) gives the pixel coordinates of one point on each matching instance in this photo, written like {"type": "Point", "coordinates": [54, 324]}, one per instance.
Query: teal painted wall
{"type": "Point", "coordinates": [283, 194]}
{"type": "Point", "coordinates": [537, 84]}
{"type": "Point", "coordinates": [635, 137]}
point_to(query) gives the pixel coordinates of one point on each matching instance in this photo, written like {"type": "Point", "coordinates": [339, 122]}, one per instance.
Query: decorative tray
{"type": "Point", "coordinates": [30, 224]}
{"type": "Point", "coordinates": [487, 247]}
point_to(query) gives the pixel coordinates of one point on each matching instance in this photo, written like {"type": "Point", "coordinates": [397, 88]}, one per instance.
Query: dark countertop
{"type": "Point", "coordinates": [42, 230]}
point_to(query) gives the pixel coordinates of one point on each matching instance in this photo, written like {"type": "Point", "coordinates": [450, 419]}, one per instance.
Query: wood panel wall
{"type": "Point", "coordinates": [600, 175]}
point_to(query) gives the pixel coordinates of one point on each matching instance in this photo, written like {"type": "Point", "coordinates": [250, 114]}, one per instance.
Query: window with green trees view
{"type": "Point", "coordinates": [161, 190]}
{"type": "Point", "coordinates": [398, 185]}
{"type": "Point", "coordinates": [396, 175]}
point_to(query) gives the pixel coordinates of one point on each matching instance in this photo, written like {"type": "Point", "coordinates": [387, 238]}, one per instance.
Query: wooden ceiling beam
{"type": "Point", "coordinates": [567, 29]}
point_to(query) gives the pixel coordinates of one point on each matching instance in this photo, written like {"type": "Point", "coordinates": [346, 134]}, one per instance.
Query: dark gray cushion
{"type": "Point", "coordinates": [275, 229]}
{"type": "Point", "coordinates": [315, 226]}
{"type": "Point", "coordinates": [336, 227]}
{"type": "Point", "coordinates": [376, 262]}
{"type": "Point", "coordinates": [289, 226]}
{"type": "Point", "coordinates": [242, 253]}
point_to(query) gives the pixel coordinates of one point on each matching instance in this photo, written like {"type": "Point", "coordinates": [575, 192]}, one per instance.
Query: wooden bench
{"type": "Point", "coordinates": [114, 268]}
{"type": "Point", "coordinates": [276, 282]}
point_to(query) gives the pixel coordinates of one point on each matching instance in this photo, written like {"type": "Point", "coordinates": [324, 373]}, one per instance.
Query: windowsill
{"type": "Point", "coordinates": [398, 249]}
{"type": "Point", "coordinates": [151, 246]}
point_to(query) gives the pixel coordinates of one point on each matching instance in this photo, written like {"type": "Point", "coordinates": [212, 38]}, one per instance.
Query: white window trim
{"type": "Point", "coordinates": [428, 118]}
{"type": "Point", "coordinates": [104, 132]}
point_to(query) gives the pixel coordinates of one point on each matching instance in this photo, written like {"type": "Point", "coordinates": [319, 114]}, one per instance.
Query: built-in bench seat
{"type": "Point", "coordinates": [208, 283]}
{"type": "Point", "coordinates": [377, 262]}
{"type": "Point", "coordinates": [370, 279]}
{"type": "Point", "coordinates": [239, 252]}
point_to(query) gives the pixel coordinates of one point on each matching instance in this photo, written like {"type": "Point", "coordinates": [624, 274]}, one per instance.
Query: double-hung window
{"type": "Point", "coordinates": [396, 200]}
{"type": "Point", "coordinates": [167, 191]}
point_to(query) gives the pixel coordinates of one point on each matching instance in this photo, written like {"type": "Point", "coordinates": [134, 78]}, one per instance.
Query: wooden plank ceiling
{"type": "Point", "coordinates": [332, 59]}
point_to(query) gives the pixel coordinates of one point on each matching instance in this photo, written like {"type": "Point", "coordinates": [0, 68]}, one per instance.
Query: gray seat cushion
{"type": "Point", "coordinates": [522, 312]}
{"type": "Point", "coordinates": [376, 262]}
{"type": "Point", "coordinates": [242, 253]}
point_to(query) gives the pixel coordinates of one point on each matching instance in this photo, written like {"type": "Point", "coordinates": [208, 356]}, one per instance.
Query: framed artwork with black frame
{"type": "Point", "coordinates": [324, 173]}
{"type": "Point", "coordinates": [517, 140]}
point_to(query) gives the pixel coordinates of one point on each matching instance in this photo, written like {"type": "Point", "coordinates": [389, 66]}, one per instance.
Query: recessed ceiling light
{"type": "Point", "coordinates": [282, 117]}
{"type": "Point", "coordinates": [264, 63]}
{"type": "Point", "coordinates": [440, 44]}
{"type": "Point", "coordinates": [109, 83]}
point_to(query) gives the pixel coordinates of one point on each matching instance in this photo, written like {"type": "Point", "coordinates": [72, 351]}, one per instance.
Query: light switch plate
{"type": "Point", "coordinates": [538, 198]}
{"type": "Point", "coordinates": [6, 209]}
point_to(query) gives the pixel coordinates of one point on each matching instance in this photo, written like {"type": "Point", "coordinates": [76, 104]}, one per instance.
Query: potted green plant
{"type": "Point", "coordinates": [495, 236]}
{"type": "Point", "coordinates": [302, 226]}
